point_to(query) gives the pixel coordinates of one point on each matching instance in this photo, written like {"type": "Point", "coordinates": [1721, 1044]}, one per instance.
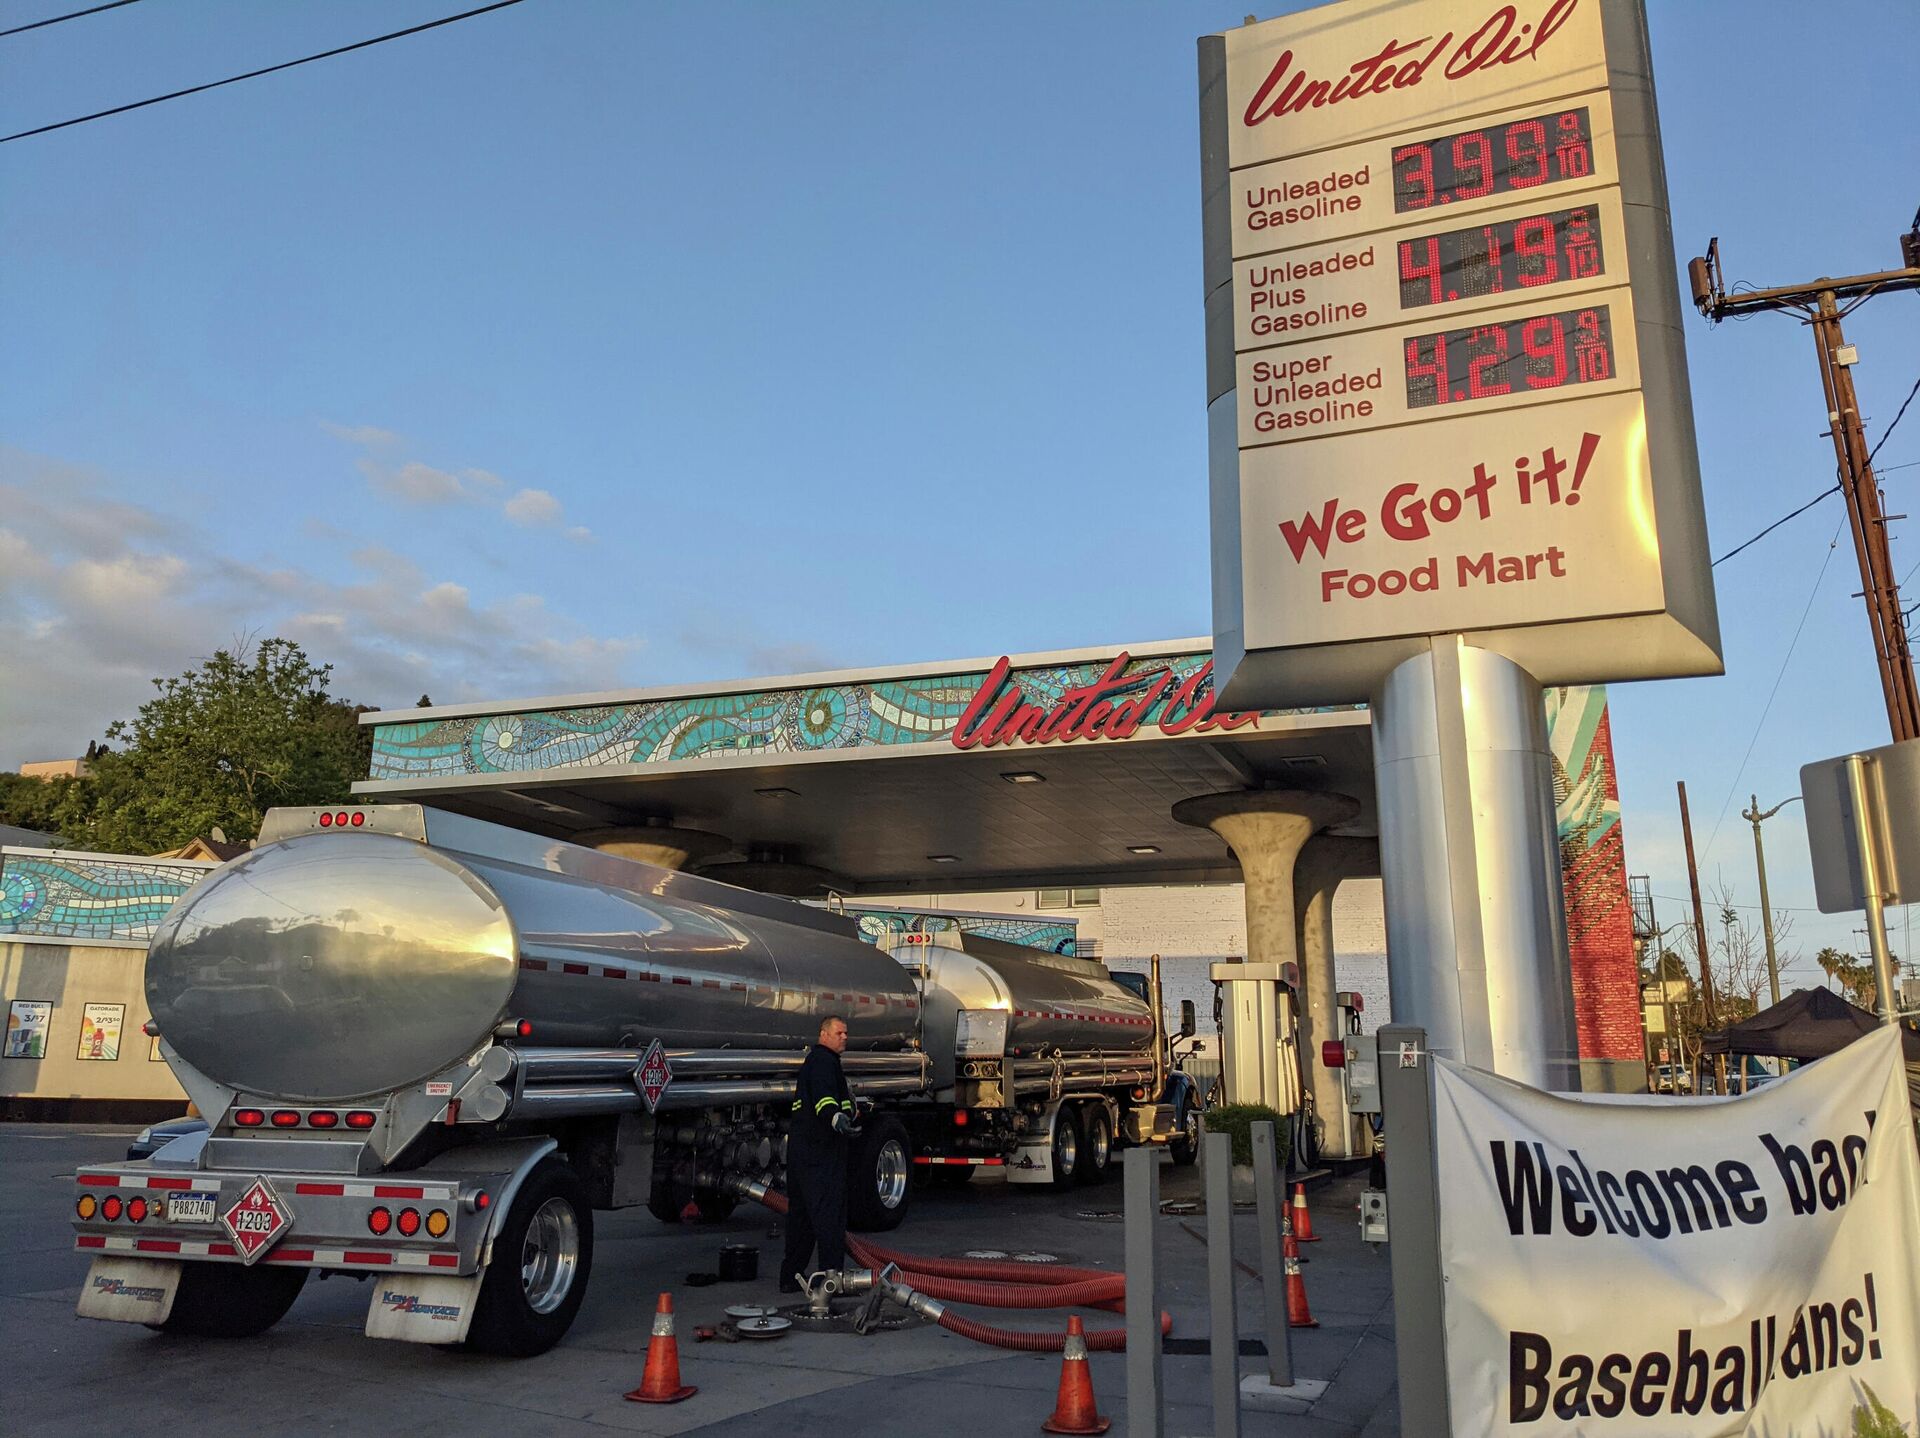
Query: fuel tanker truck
{"type": "Point", "coordinates": [429, 1048]}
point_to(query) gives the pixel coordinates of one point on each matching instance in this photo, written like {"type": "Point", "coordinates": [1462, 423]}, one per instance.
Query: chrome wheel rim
{"type": "Point", "coordinates": [550, 1255]}
{"type": "Point", "coordinates": [1099, 1143]}
{"type": "Point", "coordinates": [890, 1173]}
{"type": "Point", "coordinates": [1066, 1145]}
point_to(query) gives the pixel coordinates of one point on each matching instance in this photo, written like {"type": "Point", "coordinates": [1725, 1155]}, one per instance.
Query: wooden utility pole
{"type": "Point", "coordinates": [1818, 304]}
{"type": "Point", "coordinates": [1699, 918]}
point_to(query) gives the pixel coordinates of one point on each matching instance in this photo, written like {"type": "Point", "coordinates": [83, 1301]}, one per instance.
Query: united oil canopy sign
{"type": "Point", "coordinates": [1682, 1267]}
{"type": "Point", "coordinates": [1446, 386]}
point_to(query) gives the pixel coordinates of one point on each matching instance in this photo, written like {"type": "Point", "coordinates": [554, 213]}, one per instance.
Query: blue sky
{"type": "Point", "coordinates": [591, 344]}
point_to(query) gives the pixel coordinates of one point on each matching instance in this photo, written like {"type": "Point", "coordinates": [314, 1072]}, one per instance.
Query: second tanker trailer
{"type": "Point", "coordinates": [429, 1048]}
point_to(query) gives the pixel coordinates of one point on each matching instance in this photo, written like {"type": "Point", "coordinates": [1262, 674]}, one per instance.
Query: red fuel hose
{"type": "Point", "coordinates": [992, 1284]}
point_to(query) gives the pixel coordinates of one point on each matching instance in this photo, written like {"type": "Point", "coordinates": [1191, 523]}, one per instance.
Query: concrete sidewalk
{"type": "Point", "coordinates": [316, 1373]}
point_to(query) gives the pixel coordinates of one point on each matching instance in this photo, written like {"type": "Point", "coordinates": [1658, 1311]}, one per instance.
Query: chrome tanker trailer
{"type": "Point", "coordinates": [428, 1048]}
{"type": "Point", "coordinates": [1041, 1063]}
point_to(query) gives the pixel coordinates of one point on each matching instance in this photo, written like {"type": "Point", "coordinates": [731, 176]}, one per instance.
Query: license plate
{"type": "Point", "coordinates": [193, 1208]}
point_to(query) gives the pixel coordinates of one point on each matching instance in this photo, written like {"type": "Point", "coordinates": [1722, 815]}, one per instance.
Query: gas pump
{"type": "Point", "coordinates": [1259, 1032]}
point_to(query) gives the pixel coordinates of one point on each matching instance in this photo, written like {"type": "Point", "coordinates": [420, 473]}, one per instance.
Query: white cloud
{"type": "Point", "coordinates": [417, 483]}
{"type": "Point", "coordinates": [533, 507]}
{"type": "Point", "coordinates": [91, 612]}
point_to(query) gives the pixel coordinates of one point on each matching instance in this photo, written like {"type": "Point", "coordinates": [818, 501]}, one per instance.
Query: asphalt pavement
{"type": "Point", "coordinates": [317, 1373]}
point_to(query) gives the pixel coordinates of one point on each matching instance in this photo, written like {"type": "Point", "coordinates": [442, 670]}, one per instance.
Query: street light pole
{"type": "Point", "coordinates": [1753, 816]}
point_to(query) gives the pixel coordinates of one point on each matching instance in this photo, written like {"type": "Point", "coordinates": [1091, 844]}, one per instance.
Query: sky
{"type": "Point", "coordinates": [584, 345]}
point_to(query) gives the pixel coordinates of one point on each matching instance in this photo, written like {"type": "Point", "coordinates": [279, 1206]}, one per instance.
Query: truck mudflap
{"type": "Point", "coordinates": [123, 1289]}
{"type": "Point", "coordinates": [424, 1308]}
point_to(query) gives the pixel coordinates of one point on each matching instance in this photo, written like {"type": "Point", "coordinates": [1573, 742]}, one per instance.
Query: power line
{"type": "Point", "coordinates": [74, 15]}
{"type": "Point", "coordinates": [1766, 709]}
{"type": "Point", "coordinates": [1896, 420]}
{"type": "Point", "coordinates": [1776, 524]}
{"type": "Point", "coordinates": [255, 74]}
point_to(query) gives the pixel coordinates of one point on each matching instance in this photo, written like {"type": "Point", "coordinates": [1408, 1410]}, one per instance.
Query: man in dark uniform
{"type": "Point", "coordinates": [817, 1136]}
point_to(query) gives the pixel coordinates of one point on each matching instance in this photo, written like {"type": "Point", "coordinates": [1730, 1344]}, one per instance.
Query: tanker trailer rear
{"type": "Point", "coordinates": [1041, 1063]}
{"type": "Point", "coordinates": [428, 1048]}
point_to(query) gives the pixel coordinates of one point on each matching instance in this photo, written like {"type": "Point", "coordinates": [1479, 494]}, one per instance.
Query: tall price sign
{"type": "Point", "coordinates": [1446, 383]}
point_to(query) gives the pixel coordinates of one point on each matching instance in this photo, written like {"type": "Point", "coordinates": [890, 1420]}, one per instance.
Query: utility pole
{"type": "Point", "coordinates": [1818, 302]}
{"type": "Point", "coordinates": [1699, 918]}
{"type": "Point", "coordinates": [1753, 815]}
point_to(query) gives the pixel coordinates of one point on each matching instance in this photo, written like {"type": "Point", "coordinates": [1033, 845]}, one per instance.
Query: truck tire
{"type": "Point", "coordinates": [542, 1257]}
{"type": "Point", "coordinates": [714, 1206]}
{"type": "Point", "coordinates": [879, 1170]}
{"type": "Point", "coordinates": [1096, 1144]}
{"type": "Point", "coordinates": [1185, 1143]}
{"type": "Point", "coordinates": [1067, 1147]}
{"type": "Point", "coordinates": [222, 1300]}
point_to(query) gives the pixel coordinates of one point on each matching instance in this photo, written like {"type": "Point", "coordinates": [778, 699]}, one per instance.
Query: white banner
{"type": "Point", "coordinates": [1683, 1266]}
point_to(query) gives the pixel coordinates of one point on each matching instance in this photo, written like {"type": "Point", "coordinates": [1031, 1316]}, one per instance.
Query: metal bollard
{"type": "Point", "coordinates": [1143, 1293]}
{"type": "Point", "coordinates": [1273, 1280]}
{"type": "Point", "coordinates": [1224, 1333]}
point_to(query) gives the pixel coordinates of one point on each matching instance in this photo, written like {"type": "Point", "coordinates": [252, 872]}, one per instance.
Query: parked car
{"type": "Point", "coordinates": [151, 1139]}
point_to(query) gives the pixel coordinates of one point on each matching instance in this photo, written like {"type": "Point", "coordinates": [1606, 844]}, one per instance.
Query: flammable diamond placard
{"type": "Point", "coordinates": [257, 1221]}
{"type": "Point", "coordinates": [653, 1075]}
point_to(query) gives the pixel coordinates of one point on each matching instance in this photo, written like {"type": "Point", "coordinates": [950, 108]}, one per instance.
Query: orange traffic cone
{"type": "Point", "coordinates": [1074, 1410]}
{"type": "Point", "coordinates": [1302, 1220]}
{"type": "Point", "coordinates": [661, 1381]}
{"type": "Point", "coordinates": [1298, 1314]}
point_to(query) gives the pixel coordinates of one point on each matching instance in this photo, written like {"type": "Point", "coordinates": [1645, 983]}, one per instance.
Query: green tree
{"type": "Point", "coordinates": [217, 747]}
{"type": "Point", "coordinates": [32, 803]}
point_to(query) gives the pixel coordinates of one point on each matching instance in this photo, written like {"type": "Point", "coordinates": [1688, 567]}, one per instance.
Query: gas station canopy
{"type": "Point", "coordinates": [1059, 768]}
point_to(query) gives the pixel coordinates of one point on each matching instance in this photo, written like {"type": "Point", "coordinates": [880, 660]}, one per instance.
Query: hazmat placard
{"type": "Point", "coordinates": [1682, 1267]}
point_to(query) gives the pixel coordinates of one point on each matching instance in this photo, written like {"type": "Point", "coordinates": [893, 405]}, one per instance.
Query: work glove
{"type": "Point", "coordinates": [842, 1122]}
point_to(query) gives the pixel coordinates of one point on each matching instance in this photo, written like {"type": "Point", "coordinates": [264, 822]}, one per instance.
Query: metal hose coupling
{"type": "Point", "coordinates": [740, 1186]}
{"type": "Point", "coordinates": [907, 1297]}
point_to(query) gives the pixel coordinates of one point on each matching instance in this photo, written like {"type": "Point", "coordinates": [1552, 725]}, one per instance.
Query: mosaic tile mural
{"type": "Point", "coordinates": [782, 721]}
{"type": "Point", "coordinates": [1053, 936]}
{"type": "Point", "coordinates": [73, 896]}
{"type": "Point", "coordinates": [1593, 875]}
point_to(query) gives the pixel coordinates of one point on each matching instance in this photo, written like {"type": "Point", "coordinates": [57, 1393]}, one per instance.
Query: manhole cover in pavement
{"type": "Point", "coordinates": [988, 1253]}
{"type": "Point", "coordinates": [1035, 1258]}
{"type": "Point", "coordinates": [1103, 1215]}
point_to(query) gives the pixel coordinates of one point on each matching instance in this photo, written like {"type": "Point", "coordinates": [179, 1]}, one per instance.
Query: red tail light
{"type": "Point", "coordinates": [960, 1119]}
{"type": "Point", "coordinates": [358, 818]}
{"type": "Point", "coordinates": [137, 1210]}
{"type": "Point", "coordinates": [326, 821]}
{"type": "Point", "coordinates": [379, 1221]}
{"type": "Point", "coordinates": [285, 1118]}
{"type": "Point", "coordinates": [409, 1222]}
{"type": "Point", "coordinates": [360, 1118]}
{"type": "Point", "coordinates": [523, 1028]}
{"type": "Point", "coordinates": [322, 1118]}
{"type": "Point", "coordinates": [481, 1200]}
{"type": "Point", "coordinates": [110, 1207]}
{"type": "Point", "coordinates": [248, 1118]}
{"type": "Point", "coordinates": [150, 1029]}
{"type": "Point", "coordinates": [340, 820]}
{"type": "Point", "coordinates": [1333, 1054]}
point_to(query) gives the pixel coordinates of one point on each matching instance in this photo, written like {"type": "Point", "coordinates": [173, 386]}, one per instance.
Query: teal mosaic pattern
{"type": "Point", "coordinates": [781, 721]}
{"type": "Point", "coordinates": [55, 896]}
{"type": "Point", "coordinates": [1053, 936]}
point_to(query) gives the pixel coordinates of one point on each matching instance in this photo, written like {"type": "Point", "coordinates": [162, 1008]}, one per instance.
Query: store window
{"type": "Point", "coordinates": [1067, 898]}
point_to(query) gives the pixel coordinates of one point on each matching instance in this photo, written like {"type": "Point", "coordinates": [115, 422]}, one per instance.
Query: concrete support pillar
{"type": "Point", "coordinates": [1265, 829]}
{"type": "Point", "coordinates": [1325, 861]}
{"type": "Point", "coordinates": [660, 845]}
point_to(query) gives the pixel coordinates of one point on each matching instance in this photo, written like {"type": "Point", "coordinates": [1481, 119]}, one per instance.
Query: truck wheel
{"type": "Point", "coordinates": [541, 1258]}
{"type": "Point", "coordinates": [1185, 1143]}
{"type": "Point", "coordinates": [879, 1171]}
{"type": "Point", "coordinates": [220, 1300]}
{"type": "Point", "coordinates": [1067, 1147]}
{"type": "Point", "coordinates": [714, 1206]}
{"type": "Point", "coordinates": [1096, 1144]}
